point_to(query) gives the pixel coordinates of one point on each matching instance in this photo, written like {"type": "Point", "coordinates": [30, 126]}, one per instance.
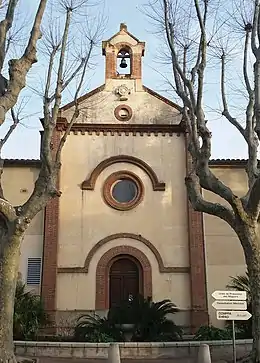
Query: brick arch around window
{"type": "Point", "coordinates": [89, 183]}
{"type": "Point", "coordinates": [102, 273]}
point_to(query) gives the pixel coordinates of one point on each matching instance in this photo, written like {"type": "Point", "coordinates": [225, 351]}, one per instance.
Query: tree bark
{"type": "Point", "coordinates": [10, 242]}
{"type": "Point", "coordinates": [250, 240]}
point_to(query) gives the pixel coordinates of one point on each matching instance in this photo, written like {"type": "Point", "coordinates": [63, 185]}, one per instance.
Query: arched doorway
{"type": "Point", "coordinates": [125, 280]}
{"type": "Point", "coordinates": [103, 272]}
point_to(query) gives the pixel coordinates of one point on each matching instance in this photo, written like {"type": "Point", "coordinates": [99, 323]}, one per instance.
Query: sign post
{"type": "Point", "coordinates": [231, 305]}
{"type": "Point", "coordinates": [234, 341]}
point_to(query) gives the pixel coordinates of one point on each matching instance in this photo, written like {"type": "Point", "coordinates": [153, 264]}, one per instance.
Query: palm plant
{"type": "Point", "coordinates": [29, 314]}
{"type": "Point", "coordinates": [241, 283]}
{"type": "Point", "coordinates": [93, 328]}
{"type": "Point", "coordinates": [150, 319]}
{"type": "Point", "coordinates": [150, 322]}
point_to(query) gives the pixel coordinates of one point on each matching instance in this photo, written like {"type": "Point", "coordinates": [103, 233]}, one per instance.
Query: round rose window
{"type": "Point", "coordinates": [123, 190]}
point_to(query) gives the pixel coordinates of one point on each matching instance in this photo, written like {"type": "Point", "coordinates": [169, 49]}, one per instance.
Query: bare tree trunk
{"type": "Point", "coordinates": [255, 291]}
{"type": "Point", "coordinates": [250, 240]}
{"type": "Point", "coordinates": [9, 264]}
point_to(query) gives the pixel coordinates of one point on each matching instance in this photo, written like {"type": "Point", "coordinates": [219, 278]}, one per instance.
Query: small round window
{"type": "Point", "coordinates": [123, 190]}
{"type": "Point", "coordinates": [123, 113]}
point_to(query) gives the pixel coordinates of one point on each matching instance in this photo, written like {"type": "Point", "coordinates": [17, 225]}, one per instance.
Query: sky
{"type": "Point", "coordinates": [24, 143]}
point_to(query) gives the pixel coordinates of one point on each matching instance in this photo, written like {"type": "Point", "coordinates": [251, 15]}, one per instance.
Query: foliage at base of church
{"type": "Point", "coordinates": [139, 320]}
{"type": "Point", "coordinates": [96, 329]}
{"type": "Point", "coordinates": [243, 328]}
{"type": "Point", "coordinates": [29, 314]}
{"type": "Point", "coordinates": [210, 332]}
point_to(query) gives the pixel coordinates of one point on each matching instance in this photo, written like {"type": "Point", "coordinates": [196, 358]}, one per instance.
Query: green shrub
{"type": "Point", "coordinates": [29, 314]}
{"type": "Point", "coordinates": [150, 322]}
{"type": "Point", "coordinates": [93, 328]}
{"type": "Point", "coordinates": [212, 333]}
{"type": "Point", "coordinates": [151, 319]}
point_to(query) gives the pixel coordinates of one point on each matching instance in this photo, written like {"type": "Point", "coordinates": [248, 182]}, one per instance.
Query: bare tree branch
{"type": "Point", "coordinates": [177, 68]}
{"type": "Point", "coordinates": [5, 26]}
{"type": "Point", "coordinates": [46, 184]}
{"type": "Point", "coordinates": [76, 105]}
{"type": "Point", "coordinates": [71, 77]}
{"type": "Point", "coordinates": [254, 27]}
{"type": "Point", "coordinates": [250, 137]}
{"type": "Point", "coordinates": [59, 84]}
{"type": "Point", "coordinates": [202, 52]}
{"type": "Point", "coordinates": [18, 68]}
{"type": "Point", "coordinates": [225, 111]}
{"type": "Point", "coordinates": [201, 205]}
{"type": "Point", "coordinates": [10, 130]}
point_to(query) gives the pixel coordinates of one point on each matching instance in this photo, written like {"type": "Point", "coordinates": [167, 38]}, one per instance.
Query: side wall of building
{"type": "Point", "coordinates": [224, 254]}
{"type": "Point", "coordinates": [18, 183]}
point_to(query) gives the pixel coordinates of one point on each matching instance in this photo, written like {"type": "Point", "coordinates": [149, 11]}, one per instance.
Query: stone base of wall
{"type": "Point", "coordinates": [221, 350]}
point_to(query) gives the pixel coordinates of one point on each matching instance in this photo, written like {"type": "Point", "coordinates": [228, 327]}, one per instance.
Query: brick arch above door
{"type": "Point", "coordinates": [125, 235]}
{"type": "Point", "coordinates": [102, 273]}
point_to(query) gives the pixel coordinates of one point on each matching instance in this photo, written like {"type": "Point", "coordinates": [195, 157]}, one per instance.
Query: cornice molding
{"type": "Point", "coordinates": [89, 183]}
{"type": "Point", "coordinates": [127, 129]}
{"type": "Point", "coordinates": [138, 237]}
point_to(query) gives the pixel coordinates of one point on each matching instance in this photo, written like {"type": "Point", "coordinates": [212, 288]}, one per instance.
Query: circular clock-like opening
{"type": "Point", "coordinates": [123, 113]}
{"type": "Point", "coordinates": [123, 190]}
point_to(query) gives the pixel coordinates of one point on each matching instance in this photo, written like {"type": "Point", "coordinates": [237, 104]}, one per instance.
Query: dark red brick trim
{"type": "Point", "coordinates": [102, 273]}
{"type": "Point", "coordinates": [89, 183]}
{"type": "Point", "coordinates": [199, 301]}
{"type": "Point", "coordinates": [50, 245]}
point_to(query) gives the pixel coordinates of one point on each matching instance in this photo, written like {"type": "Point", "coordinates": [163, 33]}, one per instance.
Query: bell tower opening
{"type": "Point", "coordinates": [124, 62]}
{"type": "Point", "coordinates": [123, 52]}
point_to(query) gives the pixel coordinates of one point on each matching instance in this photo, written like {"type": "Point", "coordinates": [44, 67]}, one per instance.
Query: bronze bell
{"type": "Point", "coordinates": [123, 63]}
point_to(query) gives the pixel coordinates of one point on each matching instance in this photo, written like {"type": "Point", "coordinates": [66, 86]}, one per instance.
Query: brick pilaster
{"type": "Point", "coordinates": [50, 244]}
{"type": "Point", "coordinates": [110, 65]}
{"type": "Point", "coordinates": [199, 305]}
{"type": "Point", "coordinates": [136, 66]}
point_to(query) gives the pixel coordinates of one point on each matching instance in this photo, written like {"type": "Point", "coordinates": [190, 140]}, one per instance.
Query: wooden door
{"type": "Point", "coordinates": [123, 281]}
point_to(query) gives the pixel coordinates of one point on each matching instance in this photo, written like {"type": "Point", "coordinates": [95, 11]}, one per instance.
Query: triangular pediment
{"type": "Point", "coordinates": [147, 107]}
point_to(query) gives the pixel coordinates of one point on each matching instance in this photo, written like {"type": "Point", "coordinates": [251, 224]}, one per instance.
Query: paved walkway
{"type": "Point", "coordinates": [81, 360]}
{"type": "Point", "coordinates": [74, 360]}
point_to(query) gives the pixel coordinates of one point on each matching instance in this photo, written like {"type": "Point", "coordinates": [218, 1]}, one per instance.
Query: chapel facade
{"type": "Point", "coordinates": [123, 224]}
